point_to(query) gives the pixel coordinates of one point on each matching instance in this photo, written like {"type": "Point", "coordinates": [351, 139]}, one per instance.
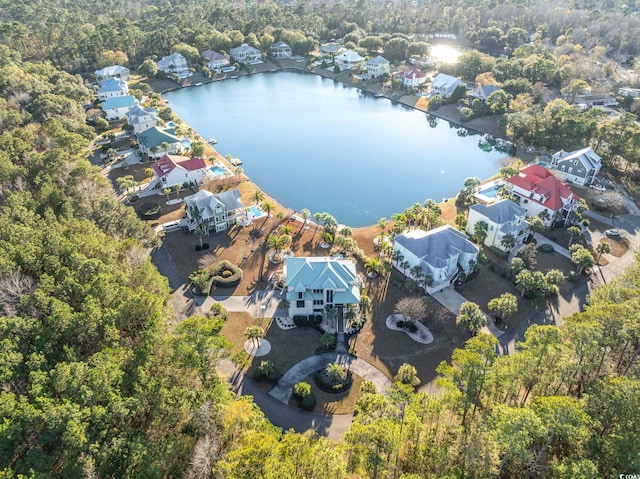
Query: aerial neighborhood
{"type": "Point", "coordinates": [423, 261]}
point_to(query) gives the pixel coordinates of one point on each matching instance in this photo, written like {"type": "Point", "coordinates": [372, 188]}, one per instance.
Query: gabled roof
{"type": "Point", "coordinates": [137, 112]}
{"type": "Point", "coordinates": [539, 180]}
{"type": "Point", "coordinates": [211, 55]}
{"type": "Point", "coordinates": [586, 156]}
{"type": "Point", "coordinates": [155, 136]}
{"type": "Point", "coordinates": [411, 73]}
{"type": "Point", "coordinates": [280, 44]}
{"type": "Point", "coordinates": [441, 80]}
{"type": "Point", "coordinates": [230, 199]}
{"type": "Point", "coordinates": [349, 56]}
{"type": "Point", "coordinates": [323, 272]}
{"type": "Point", "coordinates": [484, 91]}
{"type": "Point", "coordinates": [379, 60]}
{"type": "Point", "coordinates": [111, 71]}
{"type": "Point", "coordinates": [167, 164]}
{"type": "Point", "coordinates": [436, 246]}
{"type": "Point", "coordinates": [207, 202]}
{"type": "Point", "coordinates": [331, 47]}
{"type": "Point", "coordinates": [118, 102]}
{"type": "Point", "coordinates": [173, 58]}
{"type": "Point", "coordinates": [500, 212]}
{"type": "Point", "coordinates": [112, 84]}
{"type": "Point", "coordinates": [243, 48]}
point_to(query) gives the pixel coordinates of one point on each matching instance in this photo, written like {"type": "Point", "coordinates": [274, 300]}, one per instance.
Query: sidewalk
{"type": "Point", "coordinates": [452, 300]}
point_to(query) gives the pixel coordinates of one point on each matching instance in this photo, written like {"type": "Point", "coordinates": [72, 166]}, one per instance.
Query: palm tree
{"type": "Point", "coordinates": [603, 247]}
{"type": "Point", "coordinates": [365, 302]}
{"type": "Point", "coordinates": [471, 317]}
{"type": "Point", "coordinates": [545, 216]}
{"type": "Point", "coordinates": [573, 232]}
{"type": "Point", "coordinates": [306, 214]}
{"type": "Point", "coordinates": [373, 266]}
{"type": "Point", "coordinates": [404, 264]}
{"type": "Point", "coordinates": [426, 281]}
{"type": "Point", "coordinates": [284, 303]}
{"type": "Point", "coordinates": [382, 224]}
{"type": "Point", "coordinates": [480, 231]}
{"type": "Point", "coordinates": [286, 230]}
{"type": "Point", "coordinates": [176, 188]}
{"type": "Point", "coordinates": [153, 150]}
{"type": "Point", "coordinates": [267, 207]}
{"type": "Point", "coordinates": [331, 314]}
{"type": "Point", "coordinates": [165, 147]}
{"type": "Point", "coordinates": [397, 256]}
{"type": "Point", "coordinates": [335, 372]}
{"type": "Point", "coordinates": [416, 272]}
{"type": "Point", "coordinates": [277, 244]}
{"type": "Point", "coordinates": [166, 191]}
{"type": "Point", "coordinates": [461, 222]}
{"type": "Point", "coordinates": [257, 196]}
{"type": "Point", "coordinates": [508, 241]}
{"type": "Point", "coordinates": [326, 237]}
{"type": "Point", "coordinates": [327, 340]}
{"type": "Point", "coordinates": [254, 333]}
{"type": "Point", "coordinates": [239, 172]}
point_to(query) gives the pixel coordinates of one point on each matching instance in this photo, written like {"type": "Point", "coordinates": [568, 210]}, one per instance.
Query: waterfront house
{"type": "Point", "coordinates": [538, 190]}
{"type": "Point", "coordinates": [349, 60]}
{"type": "Point", "coordinates": [117, 108]}
{"type": "Point", "coordinates": [330, 50]}
{"type": "Point", "coordinates": [115, 71]}
{"type": "Point", "coordinates": [445, 85]}
{"type": "Point", "coordinates": [178, 170]}
{"type": "Point", "coordinates": [377, 67]}
{"type": "Point", "coordinates": [174, 64]}
{"type": "Point", "coordinates": [151, 142]}
{"type": "Point", "coordinates": [314, 283]}
{"type": "Point", "coordinates": [411, 78]}
{"type": "Point", "coordinates": [579, 167]}
{"type": "Point", "coordinates": [142, 118]}
{"type": "Point", "coordinates": [214, 60]}
{"type": "Point", "coordinates": [503, 218]}
{"type": "Point", "coordinates": [482, 92]}
{"type": "Point", "coordinates": [245, 54]}
{"type": "Point", "coordinates": [112, 88]}
{"type": "Point", "coordinates": [442, 253]}
{"type": "Point", "coordinates": [280, 50]}
{"type": "Point", "coordinates": [215, 212]}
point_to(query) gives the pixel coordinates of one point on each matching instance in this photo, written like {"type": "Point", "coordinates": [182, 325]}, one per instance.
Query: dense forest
{"type": "Point", "coordinates": [99, 380]}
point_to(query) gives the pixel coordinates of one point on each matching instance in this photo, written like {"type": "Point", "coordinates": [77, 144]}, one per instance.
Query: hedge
{"type": "Point", "coordinates": [546, 248]}
{"type": "Point", "coordinates": [333, 388]}
{"type": "Point", "coordinates": [218, 272]}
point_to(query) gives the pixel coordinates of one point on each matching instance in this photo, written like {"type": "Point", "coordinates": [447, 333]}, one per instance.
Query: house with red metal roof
{"type": "Point", "coordinates": [411, 78]}
{"type": "Point", "coordinates": [179, 170]}
{"type": "Point", "coordinates": [538, 190]}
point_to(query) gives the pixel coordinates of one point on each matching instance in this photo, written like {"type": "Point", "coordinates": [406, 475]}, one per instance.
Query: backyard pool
{"type": "Point", "coordinates": [491, 192]}
{"type": "Point", "coordinates": [217, 170]}
{"type": "Point", "coordinates": [254, 212]}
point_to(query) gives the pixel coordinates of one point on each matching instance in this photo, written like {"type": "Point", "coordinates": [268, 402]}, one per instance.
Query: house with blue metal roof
{"type": "Point", "coordinates": [112, 88]}
{"type": "Point", "coordinates": [118, 107]}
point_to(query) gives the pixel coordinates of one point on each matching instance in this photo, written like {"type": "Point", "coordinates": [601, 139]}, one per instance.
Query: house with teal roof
{"type": "Point", "coordinates": [118, 107]}
{"type": "Point", "coordinates": [314, 283]}
{"type": "Point", "coordinates": [112, 88]}
{"type": "Point", "coordinates": [151, 142]}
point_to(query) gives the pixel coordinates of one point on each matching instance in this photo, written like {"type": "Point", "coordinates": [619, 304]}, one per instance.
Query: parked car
{"type": "Point", "coordinates": [612, 232]}
{"type": "Point", "coordinates": [598, 188]}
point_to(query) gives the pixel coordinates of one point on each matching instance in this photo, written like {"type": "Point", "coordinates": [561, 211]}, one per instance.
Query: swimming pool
{"type": "Point", "coordinates": [218, 170]}
{"type": "Point", "coordinates": [491, 192]}
{"type": "Point", "coordinates": [255, 212]}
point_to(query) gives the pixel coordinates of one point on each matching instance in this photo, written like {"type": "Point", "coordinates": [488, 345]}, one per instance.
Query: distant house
{"type": "Point", "coordinates": [280, 50]}
{"type": "Point", "coordinates": [115, 71]}
{"type": "Point", "coordinates": [482, 92]}
{"type": "Point", "coordinates": [579, 167]}
{"type": "Point", "coordinates": [503, 218]}
{"type": "Point", "coordinates": [112, 88]}
{"type": "Point", "coordinates": [142, 118]}
{"type": "Point", "coordinates": [349, 60]}
{"type": "Point", "coordinates": [174, 64]}
{"type": "Point", "coordinates": [118, 107]}
{"type": "Point", "coordinates": [214, 60]}
{"type": "Point", "coordinates": [442, 253]}
{"type": "Point", "coordinates": [215, 212]}
{"type": "Point", "coordinates": [588, 100]}
{"type": "Point", "coordinates": [151, 142]}
{"type": "Point", "coordinates": [245, 54]}
{"type": "Point", "coordinates": [626, 91]}
{"type": "Point", "coordinates": [445, 85]}
{"type": "Point", "coordinates": [538, 190]}
{"type": "Point", "coordinates": [331, 50]}
{"type": "Point", "coordinates": [316, 282]}
{"type": "Point", "coordinates": [179, 170]}
{"type": "Point", "coordinates": [377, 67]}
{"type": "Point", "coordinates": [411, 78]}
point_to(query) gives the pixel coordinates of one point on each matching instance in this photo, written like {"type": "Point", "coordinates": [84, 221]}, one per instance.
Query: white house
{"type": "Point", "coordinates": [115, 71]}
{"type": "Point", "coordinates": [482, 92]}
{"type": "Point", "coordinates": [503, 218]}
{"type": "Point", "coordinates": [442, 253]}
{"type": "Point", "coordinates": [142, 118]}
{"type": "Point", "coordinates": [153, 140]}
{"type": "Point", "coordinates": [349, 60]}
{"type": "Point", "coordinates": [538, 190]}
{"type": "Point", "coordinates": [112, 88]}
{"type": "Point", "coordinates": [316, 282]}
{"type": "Point", "coordinates": [118, 107]}
{"type": "Point", "coordinates": [377, 67]}
{"type": "Point", "coordinates": [331, 50]}
{"type": "Point", "coordinates": [411, 78]}
{"type": "Point", "coordinates": [179, 170]}
{"type": "Point", "coordinates": [280, 50]}
{"type": "Point", "coordinates": [445, 85]}
{"type": "Point", "coordinates": [215, 60]}
{"type": "Point", "coordinates": [174, 63]}
{"type": "Point", "coordinates": [217, 212]}
{"type": "Point", "coordinates": [245, 54]}
{"type": "Point", "coordinates": [579, 167]}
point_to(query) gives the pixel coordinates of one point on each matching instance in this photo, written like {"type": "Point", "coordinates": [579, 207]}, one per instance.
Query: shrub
{"type": "Point", "coordinates": [412, 328]}
{"type": "Point", "coordinates": [302, 389]}
{"type": "Point", "coordinates": [202, 280]}
{"type": "Point", "coordinates": [198, 247]}
{"type": "Point", "coordinates": [227, 273]}
{"type": "Point", "coordinates": [205, 245]}
{"type": "Point", "coordinates": [308, 402]}
{"type": "Point", "coordinates": [400, 323]}
{"type": "Point", "coordinates": [330, 387]}
{"type": "Point", "coordinates": [546, 248]}
{"type": "Point", "coordinates": [150, 212]}
{"type": "Point", "coordinates": [219, 310]}
{"type": "Point", "coordinates": [573, 277]}
{"type": "Point", "coordinates": [220, 279]}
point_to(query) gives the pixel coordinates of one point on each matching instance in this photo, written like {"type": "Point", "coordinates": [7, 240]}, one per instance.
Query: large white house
{"type": "Point", "coordinates": [503, 218]}
{"type": "Point", "coordinates": [445, 85]}
{"type": "Point", "coordinates": [115, 71]}
{"type": "Point", "coordinates": [538, 190]}
{"type": "Point", "coordinates": [118, 107]}
{"type": "Point", "coordinates": [214, 212]}
{"type": "Point", "coordinates": [245, 54]}
{"type": "Point", "coordinates": [441, 253]}
{"type": "Point", "coordinates": [349, 60]}
{"type": "Point", "coordinates": [330, 50]}
{"type": "Point", "coordinates": [112, 88]}
{"type": "Point", "coordinates": [411, 78]}
{"type": "Point", "coordinates": [579, 167]}
{"type": "Point", "coordinates": [215, 60]}
{"type": "Point", "coordinates": [174, 63]}
{"type": "Point", "coordinates": [179, 170]}
{"type": "Point", "coordinates": [377, 67]}
{"type": "Point", "coordinates": [316, 282]}
{"type": "Point", "coordinates": [142, 118]}
{"type": "Point", "coordinates": [280, 50]}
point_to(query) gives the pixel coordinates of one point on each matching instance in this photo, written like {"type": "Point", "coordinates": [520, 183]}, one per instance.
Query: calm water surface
{"type": "Point", "coordinates": [312, 143]}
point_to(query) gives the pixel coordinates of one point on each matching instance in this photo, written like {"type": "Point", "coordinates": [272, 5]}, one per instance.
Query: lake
{"type": "Point", "coordinates": [310, 142]}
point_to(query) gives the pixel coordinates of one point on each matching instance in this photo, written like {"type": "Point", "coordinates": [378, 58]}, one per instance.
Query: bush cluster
{"type": "Point", "coordinates": [310, 321]}
{"type": "Point", "coordinates": [546, 248]}
{"type": "Point", "coordinates": [219, 276]}
{"type": "Point", "coordinates": [333, 388]}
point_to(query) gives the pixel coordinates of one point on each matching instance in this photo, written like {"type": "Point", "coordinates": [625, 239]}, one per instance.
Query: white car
{"type": "Point", "coordinates": [612, 232]}
{"type": "Point", "coordinates": [598, 187]}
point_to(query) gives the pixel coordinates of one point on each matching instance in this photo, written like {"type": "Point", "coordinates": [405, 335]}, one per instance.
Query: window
{"type": "Point", "coordinates": [318, 302]}
{"type": "Point", "coordinates": [330, 296]}
{"type": "Point", "coordinates": [570, 170]}
{"type": "Point", "coordinates": [300, 295]}
{"type": "Point", "coordinates": [317, 291]}
{"type": "Point", "coordinates": [299, 304]}
{"type": "Point", "coordinates": [562, 167]}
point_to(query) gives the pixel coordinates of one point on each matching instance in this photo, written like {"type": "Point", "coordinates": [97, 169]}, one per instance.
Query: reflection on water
{"type": "Point", "coordinates": [445, 53]}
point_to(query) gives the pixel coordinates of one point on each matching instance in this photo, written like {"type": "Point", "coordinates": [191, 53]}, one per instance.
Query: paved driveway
{"type": "Point", "coordinates": [260, 303]}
